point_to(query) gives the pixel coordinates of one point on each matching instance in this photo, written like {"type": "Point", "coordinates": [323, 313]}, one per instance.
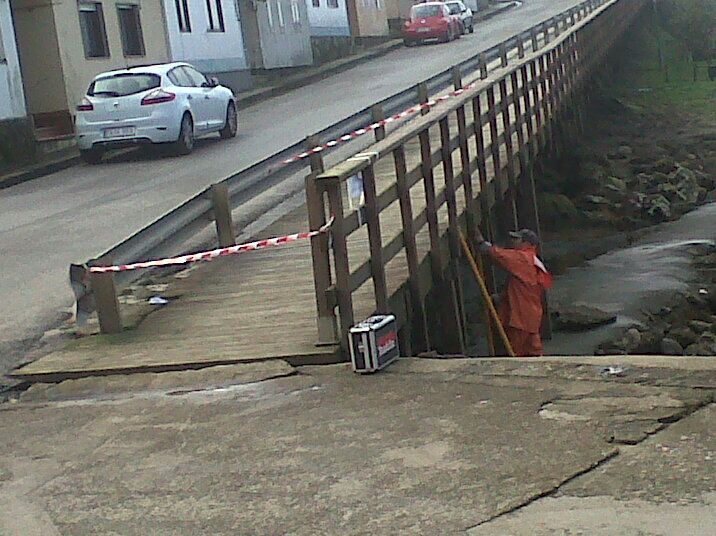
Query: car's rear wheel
{"type": "Point", "coordinates": [92, 156]}
{"type": "Point", "coordinates": [472, 27]}
{"type": "Point", "coordinates": [447, 37]}
{"type": "Point", "coordinates": [408, 42]}
{"type": "Point", "coordinates": [185, 144]}
{"type": "Point", "coordinates": [232, 123]}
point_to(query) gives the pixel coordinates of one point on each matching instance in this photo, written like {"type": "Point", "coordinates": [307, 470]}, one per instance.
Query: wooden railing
{"type": "Point", "coordinates": [480, 146]}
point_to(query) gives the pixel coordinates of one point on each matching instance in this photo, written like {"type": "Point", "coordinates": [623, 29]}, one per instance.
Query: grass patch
{"type": "Point", "coordinates": [646, 82]}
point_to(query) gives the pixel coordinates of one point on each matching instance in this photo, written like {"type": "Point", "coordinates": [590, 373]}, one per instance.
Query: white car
{"type": "Point", "coordinates": [460, 10]}
{"type": "Point", "coordinates": [169, 103]}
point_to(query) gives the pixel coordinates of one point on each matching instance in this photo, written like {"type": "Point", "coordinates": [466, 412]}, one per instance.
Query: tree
{"type": "Point", "coordinates": [693, 22]}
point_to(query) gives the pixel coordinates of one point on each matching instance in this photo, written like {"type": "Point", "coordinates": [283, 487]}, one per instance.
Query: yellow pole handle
{"type": "Point", "coordinates": [486, 295]}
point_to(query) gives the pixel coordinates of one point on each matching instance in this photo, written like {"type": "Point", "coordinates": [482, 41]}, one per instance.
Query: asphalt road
{"type": "Point", "coordinates": [75, 214]}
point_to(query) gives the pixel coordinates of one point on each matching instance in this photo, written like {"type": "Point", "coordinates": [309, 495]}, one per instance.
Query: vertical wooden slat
{"type": "Point", "coordinates": [320, 251]}
{"type": "Point", "coordinates": [527, 94]}
{"type": "Point", "coordinates": [453, 235]}
{"type": "Point", "coordinates": [411, 251]}
{"type": "Point", "coordinates": [503, 55]}
{"type": "Point", "coordinates": [494, 139]}
{"type": "Point", "coordinates": [340, 259]}
{"type": "Point", "coordinates": [466, 176]}
{"type": "Point", "coordinates": [517, 103]}
{"type": "Point", "coordinates": [375, 240]}
{"type": "Point", "coordinates": [509, 149]}
{"type": "Point", "coordinates": [537, 103]}
{"type": "Point", "coordinates": [429, 184]}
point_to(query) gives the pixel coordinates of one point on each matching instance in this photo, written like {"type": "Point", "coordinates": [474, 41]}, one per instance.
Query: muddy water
{"type": "Point", "coordinates": [631, 280]}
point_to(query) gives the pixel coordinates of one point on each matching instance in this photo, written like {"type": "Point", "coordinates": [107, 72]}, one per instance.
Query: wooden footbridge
{"type": "Point", "coordinates": [467, 161]}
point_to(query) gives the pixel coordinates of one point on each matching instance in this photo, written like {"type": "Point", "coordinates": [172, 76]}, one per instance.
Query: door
{"type": "Point", "coordinates": [211, 100]}
{"type": "Point", "coordinates": [194, 95]}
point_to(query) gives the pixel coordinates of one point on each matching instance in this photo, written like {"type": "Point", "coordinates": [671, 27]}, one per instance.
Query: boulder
{"type": "Point", "coordinates": [699, 327]}
{"type": "Point", "coordinates": [658, 208]}
{"type": "Point", "coordinates": [580, 318]}
{"type": "Point", "coordinates": [596, 200]}
{"type": "Point", "coordinates": [671, 347]}
{"type": "Point", "coordinates": [615, 184]}
{"type": "Point", "coordinates": [625, 151]}
{"type": "Point", "coordinates": [557, 208]}
{"type": "Point", "coordinates": [684, 336]}
{"type": "Point", "coordinates": [701, 349]}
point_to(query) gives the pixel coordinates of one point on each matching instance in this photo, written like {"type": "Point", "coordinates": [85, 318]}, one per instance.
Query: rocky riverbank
{"type": "Point", "coordinates": [638, 169]}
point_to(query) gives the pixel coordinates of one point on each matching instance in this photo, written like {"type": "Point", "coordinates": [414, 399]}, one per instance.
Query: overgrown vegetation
{"type": "Point", "coordinates": [693, 22]}
{"type": "Point", "coordinates": [665, 59]}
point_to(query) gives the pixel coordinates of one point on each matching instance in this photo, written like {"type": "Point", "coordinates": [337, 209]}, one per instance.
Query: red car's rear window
{"type": "Point", "coordinates": [423, 12]}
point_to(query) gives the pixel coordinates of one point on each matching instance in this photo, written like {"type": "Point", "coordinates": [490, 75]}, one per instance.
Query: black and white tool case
{"type": "Point", "coordinates": [374, 343]}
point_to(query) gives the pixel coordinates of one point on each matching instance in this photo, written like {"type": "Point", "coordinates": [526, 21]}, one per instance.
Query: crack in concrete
{"type": "Point", "coordinates": [602, 462]}
{"type": "Point", "coordinates": [547, 493]}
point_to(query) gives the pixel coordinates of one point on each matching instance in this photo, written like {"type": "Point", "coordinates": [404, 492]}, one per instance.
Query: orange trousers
{"type": "Point", "coordinates": [524, 344]}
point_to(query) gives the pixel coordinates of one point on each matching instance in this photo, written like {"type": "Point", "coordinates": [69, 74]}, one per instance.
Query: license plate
{"type": "Point", "coordinates": [119, 132]}
{"type": "Point", "coordinates": [423, 30]}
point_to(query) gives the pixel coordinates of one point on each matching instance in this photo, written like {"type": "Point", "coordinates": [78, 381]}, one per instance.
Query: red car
{"type": "Point", "coordinates": [431, 20]}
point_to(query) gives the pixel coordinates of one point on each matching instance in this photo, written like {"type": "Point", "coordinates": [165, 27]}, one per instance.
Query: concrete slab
{"type": "Point", "coordinates": [428, 447]}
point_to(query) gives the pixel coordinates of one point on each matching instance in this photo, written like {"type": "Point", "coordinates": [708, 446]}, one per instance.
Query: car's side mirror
{"type": "Point", "coordinates": [212, 81]}
{"type": "Point", "coordinates": [463, 10]}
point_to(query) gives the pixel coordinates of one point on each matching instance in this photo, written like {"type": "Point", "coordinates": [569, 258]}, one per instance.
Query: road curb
{"type": "Point", "coordinates": [40, 170]}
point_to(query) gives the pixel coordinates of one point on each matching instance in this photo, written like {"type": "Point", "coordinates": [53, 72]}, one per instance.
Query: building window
{"type": "Point", "coordinates": [316, 3]}
{"type": "Point", "coordinates": [333, 4]}
{"type": "Point", "coordinates": [183, 15]}
{"type": "Point", "coordinates": [279, 13]}
{"type": "Point", "coordinates": [130, 28]}
{"type": "Point", "coordinates": [94, 33]}
{"type": "Point", "coordinates": [295, 12]}
{"type": "Point", "coordinates": [269, 13]}
{"type": "Point", "coordinates": [216, 15]}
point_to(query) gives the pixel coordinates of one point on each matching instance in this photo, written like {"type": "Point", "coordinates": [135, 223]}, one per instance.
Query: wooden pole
{"type": "Point", "coordinates": [486, 296]}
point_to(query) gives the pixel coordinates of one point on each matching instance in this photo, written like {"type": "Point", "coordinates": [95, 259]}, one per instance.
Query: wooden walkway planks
{"type": "Point", "coordinates": [261, 305]}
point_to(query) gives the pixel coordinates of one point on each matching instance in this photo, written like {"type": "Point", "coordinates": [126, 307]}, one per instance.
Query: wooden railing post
{"type": "Point", "coordinates": [375, 241]}
{"type": "Point", "coordinates": [421, 339]}
{"type": "Point", "coordinates": [377, 114]}
{"type": "Point", "coordinates": [482, 59]}
{"type": "Point", "coordinates": [105, 297]}
{"type": "Point", "coordinates": [340, 259]}
{"type": "Point", "coordinates": [320, 253]}
{"type": "Point", "coordinates": [222, 215]}
{"type": "Point", "coordinates": [423, 97]}
{"type": "Point", "coordinates": [533, 39]}
{"type": "Point", "coordinates": [503, 55]}
{"type": "Point", "coordinates": [545, 31]}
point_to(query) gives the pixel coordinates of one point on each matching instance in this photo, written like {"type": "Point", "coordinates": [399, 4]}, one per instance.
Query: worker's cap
{"type": "Point", "coordinates": [527, 235]}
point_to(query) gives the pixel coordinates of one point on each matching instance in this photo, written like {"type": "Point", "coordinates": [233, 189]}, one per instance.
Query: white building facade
{"type": "Point", "coordinates": [12, 97]}
{"type": "Point", "coordinates": [328, 18]}
{"type": "Point", "coordinates": [208, 34]}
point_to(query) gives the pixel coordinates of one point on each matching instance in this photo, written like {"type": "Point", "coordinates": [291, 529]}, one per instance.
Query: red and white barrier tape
{"type": "Point", "coordinates": [213, 254]}
{"type": "Point", "coordinates": [383, 122]}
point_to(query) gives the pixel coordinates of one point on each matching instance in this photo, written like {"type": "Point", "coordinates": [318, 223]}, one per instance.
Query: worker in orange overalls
{"type": "Point", "coordinates": [520, 307]}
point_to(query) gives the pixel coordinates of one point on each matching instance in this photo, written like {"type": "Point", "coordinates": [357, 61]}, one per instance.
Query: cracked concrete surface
{"type": "Point", "coordinates": [427, 447]}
